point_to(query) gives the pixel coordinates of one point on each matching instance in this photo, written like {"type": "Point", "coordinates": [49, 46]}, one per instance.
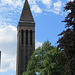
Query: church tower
{"type": "Point", "coordinates": [25, 39]}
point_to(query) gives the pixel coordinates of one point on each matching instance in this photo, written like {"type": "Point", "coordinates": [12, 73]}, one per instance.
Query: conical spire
{"type": "Point", "coordinates": [26, 13]}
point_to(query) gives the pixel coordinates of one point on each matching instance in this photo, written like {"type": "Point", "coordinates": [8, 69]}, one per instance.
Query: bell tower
{"type": "Point", "coordinates": [25, 39]}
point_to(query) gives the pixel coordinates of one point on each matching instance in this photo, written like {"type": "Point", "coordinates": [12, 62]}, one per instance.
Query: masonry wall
{"type": "Point", "coordinates": [24, 51]}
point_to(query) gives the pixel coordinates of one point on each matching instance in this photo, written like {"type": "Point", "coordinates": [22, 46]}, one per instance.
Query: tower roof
{"type": "Point", "coordinates": [26, 13]}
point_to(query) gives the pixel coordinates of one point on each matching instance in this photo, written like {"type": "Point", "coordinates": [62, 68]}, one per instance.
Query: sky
{"type": "Point", "coordinates": [47, 14]}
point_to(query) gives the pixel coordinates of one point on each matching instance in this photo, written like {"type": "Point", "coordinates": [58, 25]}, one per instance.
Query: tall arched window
{"type": "Point", "coordinates": [26, 37]}
{"type": "Point", "coordinates": [30, 37]}
{"type": "Point", "coordinates": [22, 35]}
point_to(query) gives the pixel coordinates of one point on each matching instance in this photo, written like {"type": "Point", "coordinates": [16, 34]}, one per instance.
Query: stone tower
{"type": "Point", "coordinates": [25, 39]}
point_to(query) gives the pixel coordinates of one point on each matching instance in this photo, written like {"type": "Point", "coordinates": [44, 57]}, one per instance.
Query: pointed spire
{"type": "Point", "coordinates": [26, 13]}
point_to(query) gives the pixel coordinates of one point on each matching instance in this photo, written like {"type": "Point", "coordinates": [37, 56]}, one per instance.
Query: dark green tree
{"type": "Point", "coordinates": [67, 41]}
{"type": "Point", "coordinates": [45, 61]}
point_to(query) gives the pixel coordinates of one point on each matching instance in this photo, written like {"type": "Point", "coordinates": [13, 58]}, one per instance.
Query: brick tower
{"type": "Point", "coordinates": [25, 39]}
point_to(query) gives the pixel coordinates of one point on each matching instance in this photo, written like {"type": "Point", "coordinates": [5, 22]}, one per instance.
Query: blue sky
{"type": "Point", "coordinates": [47, 14]}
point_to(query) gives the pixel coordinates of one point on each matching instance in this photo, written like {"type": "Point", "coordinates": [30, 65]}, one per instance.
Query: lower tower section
{"type": "Point", "coordinates": [25, 45]}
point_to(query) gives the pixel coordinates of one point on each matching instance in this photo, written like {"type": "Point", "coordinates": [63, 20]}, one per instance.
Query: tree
{"type": "Point", "coordinates": [44, 61]}
{"type": "Point", "coordinates": [67, 41]}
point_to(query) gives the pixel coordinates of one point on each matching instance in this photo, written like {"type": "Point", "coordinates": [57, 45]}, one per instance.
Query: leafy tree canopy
{"type": "Point", "coordinates": [44, 61]}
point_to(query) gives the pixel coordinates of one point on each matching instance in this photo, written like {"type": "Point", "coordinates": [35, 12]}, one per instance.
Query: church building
{"type": "Point", "coordinates": [25, 39]}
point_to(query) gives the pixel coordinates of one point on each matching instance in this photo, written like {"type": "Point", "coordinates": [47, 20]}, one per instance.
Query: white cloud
{"type": "Point", "coordinates": [17, 5]}
{"type": "Point", "coordinates": [36, 9]}
{"type": "Point", "coordinates": [12, 2]}
{"type": "Point", "coordinates": [0, 22]}
{"type": "Point", "coordinates": [6, 6]}
{"type": "Point", "coordinates": [8, 62]}
{"type": "Point", "coordinates": [47, 3]}
{"type": "Point", "coordinates": [8, 41]}
{"type": "Point", "coordinates": [37, 44]}
{"type": "Point", "coordinates": [8, 47]}
{"type": "Point", "coordinates": [6, 32]}
{"type": "Point", "coordinates": [32, 2]}
{"type": "Point", "coordinates": [57, 4]}
{"type": "Point", "coordinates": [71, 0]}
{"type": "Point", "coordinates": [56, 7]}
{"type": "Point", "coordinates": [6, 2]}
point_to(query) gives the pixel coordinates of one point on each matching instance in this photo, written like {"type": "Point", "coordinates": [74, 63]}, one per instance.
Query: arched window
{"type": "Point", "coordinates": [30, 37]}
{"type": "Point", "coordinates": [26, 37]}
{"type": "Point", "coordinates": [22, 35]}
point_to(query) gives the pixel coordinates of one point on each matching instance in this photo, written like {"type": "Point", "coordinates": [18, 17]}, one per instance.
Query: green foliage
{"type": "Point", "coordinates": [45, 61]}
